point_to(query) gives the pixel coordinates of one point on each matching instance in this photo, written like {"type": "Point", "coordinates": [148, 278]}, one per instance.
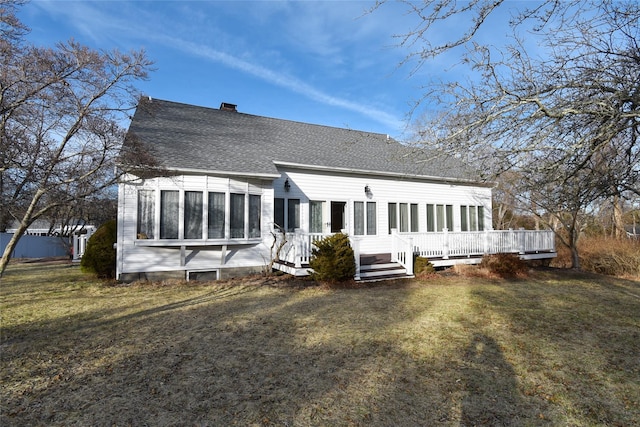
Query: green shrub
{"type": "Point", "coordinates": [332, 259]}
{"type": "Point", "coordinates": [505, 265]}
{"type": "Point", "coordinates": [422, 266]}
{"type": "Point", "coordinates": [100, 256]}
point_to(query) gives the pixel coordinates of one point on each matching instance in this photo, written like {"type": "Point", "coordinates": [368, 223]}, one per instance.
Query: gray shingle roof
{"type": "Point", "coordinates": [191, 138]}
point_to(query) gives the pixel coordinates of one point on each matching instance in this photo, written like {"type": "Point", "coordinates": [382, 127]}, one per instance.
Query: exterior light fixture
{"type": "Point", "coordinates": [287, 186]}
{"type": "Point", "coordinates": [367, 190]}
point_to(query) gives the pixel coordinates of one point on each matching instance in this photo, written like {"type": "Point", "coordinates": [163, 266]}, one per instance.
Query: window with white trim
{"type": "Point", "coordinates": [364, 218]}
{"type": "Point", "coordinates": [146, 214]}
{"type": "Point", "coordinates": [403, 217]}
{"type": "Point", "coordinates": [439, 217]}
{"type": "Point", "coordinates": [472, 218]}
{"type": "Point", "coordinates": [182, 215]}
{"type": "Point", "coordinates": [316, 216]}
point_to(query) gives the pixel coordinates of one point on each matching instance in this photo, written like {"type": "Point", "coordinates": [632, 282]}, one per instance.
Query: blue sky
{"type": "Point", "coordinates": [327, 62]}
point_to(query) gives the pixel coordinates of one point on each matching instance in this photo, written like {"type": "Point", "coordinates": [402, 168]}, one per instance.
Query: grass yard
{"type": "Point", "coordinates": [557, 348]}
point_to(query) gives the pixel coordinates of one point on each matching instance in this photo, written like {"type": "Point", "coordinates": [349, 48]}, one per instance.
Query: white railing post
{"type": "Point", "coordinates": [297, 248]}
{"type": "Point", "coordinates": [355, 245]}
{"type": "Point", "coordinates": [522, 237]}
{"type": "Point", "coordinates": [409, 260]}
{"type": "Point", "coordinates": [394, 245]}
{"type": "Point", "coordinates": [445, 243]}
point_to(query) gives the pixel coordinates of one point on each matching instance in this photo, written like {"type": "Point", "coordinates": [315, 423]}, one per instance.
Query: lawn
{"type": "Point", "coordinates": [556, 348]}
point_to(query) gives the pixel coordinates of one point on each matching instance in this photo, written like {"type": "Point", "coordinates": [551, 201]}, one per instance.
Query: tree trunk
{"type": "Point", "coordinates": [618, 221]}
{"type": "Point", "coordinates": [6, 255]}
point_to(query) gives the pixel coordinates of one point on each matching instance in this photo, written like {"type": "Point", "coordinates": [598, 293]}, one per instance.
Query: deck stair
{"type": "Point", "coordinates": [380, 267]}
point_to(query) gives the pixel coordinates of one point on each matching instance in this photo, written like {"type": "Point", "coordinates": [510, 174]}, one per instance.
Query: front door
{"type": "Point", "coordinates": [337, 216]}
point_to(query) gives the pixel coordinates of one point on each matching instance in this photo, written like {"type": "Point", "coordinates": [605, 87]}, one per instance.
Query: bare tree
{"type": "Point", "coordinates": [60, 114]}
{"type": "Point", "coordinates": [566, 117]}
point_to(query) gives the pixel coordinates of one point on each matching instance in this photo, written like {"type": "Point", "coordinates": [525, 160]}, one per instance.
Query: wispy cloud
{"type": "Point", "coordinates": [280, 79]}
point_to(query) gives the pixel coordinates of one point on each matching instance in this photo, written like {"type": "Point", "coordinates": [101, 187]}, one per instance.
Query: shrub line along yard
{"type": "Point", "coordinates": [555, 348]}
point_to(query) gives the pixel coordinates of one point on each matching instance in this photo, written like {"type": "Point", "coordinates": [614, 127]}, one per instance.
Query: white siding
{"type": "Point", "coordinates": [323, 186]}
{"type": "Point", "coordinates": [136, 256]}
{"type": "Point", "coordinates": [141, 256]}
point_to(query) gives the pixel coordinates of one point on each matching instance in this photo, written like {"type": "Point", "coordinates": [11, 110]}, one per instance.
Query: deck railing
{"type": "Point", "coordinates": [447, 244]}
{"type": "Point", "coordinates": [296, 251]}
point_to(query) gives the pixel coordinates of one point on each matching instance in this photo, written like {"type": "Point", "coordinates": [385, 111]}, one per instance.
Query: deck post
{"type": "Point", "coordinates": [521, 241]}
{"type": "Point", "coordinates": [355, 245]}
{"type": "Point", "coordinates": [410, 257]}
{"type": "Point", "coordinates": [297, 245]}
{"type": "Point", "coordinates": [445, 243]}
{"type": "Point", "coordinates": [394, 245]}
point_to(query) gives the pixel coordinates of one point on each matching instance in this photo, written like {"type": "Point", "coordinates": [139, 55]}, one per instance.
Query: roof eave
{"type": "Point", "coordinates": [447, 180]}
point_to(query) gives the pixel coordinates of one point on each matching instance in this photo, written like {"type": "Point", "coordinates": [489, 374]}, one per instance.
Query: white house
{"type": "Point", "coordinates": [203, 198]}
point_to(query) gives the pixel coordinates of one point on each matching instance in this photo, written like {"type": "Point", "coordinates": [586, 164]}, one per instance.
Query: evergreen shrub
{"type": "Point", "coordinates": [333, 260]}
{"type": "Point", "coordinates": [422, 266]}
{"type": "Point", "coordinates": [100, 256]}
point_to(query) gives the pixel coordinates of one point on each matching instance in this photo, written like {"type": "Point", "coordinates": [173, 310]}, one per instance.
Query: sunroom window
{"type": "Point", "coordinates": [216, 216]}
{"type": "Point", "coordinates": [193, 215]}
{"type": "Point", "coordinates": [169, 214]}
{"type": "Point", "coordinates": [182, 215]}
{"type": "Point", "coordinates": [146, 214]}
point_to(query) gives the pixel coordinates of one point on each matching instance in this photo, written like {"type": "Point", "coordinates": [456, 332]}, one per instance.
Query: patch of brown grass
{"type": "Point", "coordinates": [557, 348]}
{"type": "Point", "coordinates": [604, 255]}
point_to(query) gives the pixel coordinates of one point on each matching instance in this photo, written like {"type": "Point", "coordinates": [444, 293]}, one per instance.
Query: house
{"type": "Point", "coordinates": [208, 198]}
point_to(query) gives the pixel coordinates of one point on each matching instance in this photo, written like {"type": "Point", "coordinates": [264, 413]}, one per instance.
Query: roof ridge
{"type": "Point", "coordinates": [384, 135]}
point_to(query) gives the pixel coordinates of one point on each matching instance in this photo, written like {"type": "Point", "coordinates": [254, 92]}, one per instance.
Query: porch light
{"type": "Point", "coordinates": [367, 190]}
{"type": "Point", "coordinates": [287, 186]}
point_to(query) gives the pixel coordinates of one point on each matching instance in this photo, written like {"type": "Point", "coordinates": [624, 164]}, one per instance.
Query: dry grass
{"type": "Point", "coordinates": [603, 255]}
{"type": "Point", "coordinates": [556, 348]}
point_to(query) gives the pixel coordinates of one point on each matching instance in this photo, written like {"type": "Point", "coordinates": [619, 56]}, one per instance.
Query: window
{"type": "Point", "coordinates": [316, 210]}
{"type": "Point", "coordinates": [236, 214]}
{"type": "Point", "coordinates": [472, 218]}
{"type": "Point", "coordinates": [449, 220]}
{"type": "Point", "coordinates": [439, 217]}
{"type": "Point", "coordinates": [293, 214]}
{"type": "Point", "coordinates": [358, 218]}
{"type": "Point", "coordinates": [182, 215]}
{"type": "Point", "coordinates": [404, 217]}
{"type": "Point", "coordinates": [371, 218]}
{"type": "Point", "coordinates": [393, 217]}
{"type": "Point", "coordinates": [169, 214]}
{"type": "Point", "coordinates": [146, 214]}
{"type": "Point", "coordinates": [364, 220]}
{"type": "Point", "coordinates": [254, 216]}
{"type": "Point", "coordinates": [414, 217]}
{"type": "Point", "coordinates": [431, 218]}
{"type": "Point", "coordinates": [278, 212]}
{"type": "Point", "coordinates": [216, 216]}
{"type": "Point", "coordinates": [193, 215]}
{"type": "Point", "coordinates": [464, 223]}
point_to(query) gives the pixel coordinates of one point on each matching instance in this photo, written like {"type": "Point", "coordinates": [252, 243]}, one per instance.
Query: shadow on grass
{"type": "Point", "coordinates": [492, 394]}
{"type": "Point", "coordinates": [576, 338]}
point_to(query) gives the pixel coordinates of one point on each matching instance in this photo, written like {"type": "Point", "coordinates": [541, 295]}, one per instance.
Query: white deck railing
{"type": "Point", "coordinates": [448, 244]}
{"type": "Point", "coordinates": [297, 250]}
